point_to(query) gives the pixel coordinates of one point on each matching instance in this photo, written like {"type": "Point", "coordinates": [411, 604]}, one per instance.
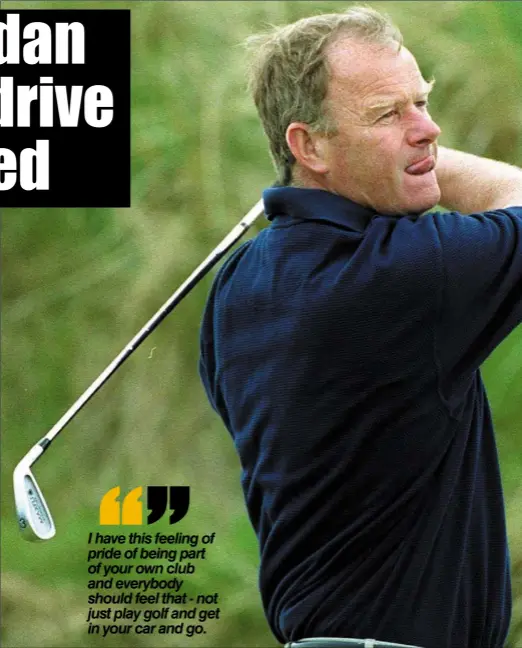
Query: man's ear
{"type": "Point", "coordinates": [307, 147]}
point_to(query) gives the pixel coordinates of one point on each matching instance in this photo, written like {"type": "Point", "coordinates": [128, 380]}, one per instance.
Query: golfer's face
{"type": "Point", "coordinates": [385, 151]}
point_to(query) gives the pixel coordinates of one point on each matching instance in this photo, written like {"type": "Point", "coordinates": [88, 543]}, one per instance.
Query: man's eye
{"type": "Point", "coordinates": [388, 115]}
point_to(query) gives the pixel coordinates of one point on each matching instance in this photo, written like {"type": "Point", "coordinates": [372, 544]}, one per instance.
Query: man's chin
{"type": "Point", "coordinates": [411, 209]}
{"type": "Point", "coordinates": [423, 204]}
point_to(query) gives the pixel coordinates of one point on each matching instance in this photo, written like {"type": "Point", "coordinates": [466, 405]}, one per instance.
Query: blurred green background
{"type": "Point", "coordinates": [78, 284]}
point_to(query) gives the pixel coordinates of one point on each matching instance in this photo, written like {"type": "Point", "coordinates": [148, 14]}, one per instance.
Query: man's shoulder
{"type": "Point", "coordinates": [231, 261]}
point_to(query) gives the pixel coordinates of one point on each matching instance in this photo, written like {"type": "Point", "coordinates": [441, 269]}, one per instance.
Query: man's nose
{"type": "Point", "coordinates": [423, 130]}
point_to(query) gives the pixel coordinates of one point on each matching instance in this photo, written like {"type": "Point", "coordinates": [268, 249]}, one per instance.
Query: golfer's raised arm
{"type": "Point", "coordinates": [469, 183]}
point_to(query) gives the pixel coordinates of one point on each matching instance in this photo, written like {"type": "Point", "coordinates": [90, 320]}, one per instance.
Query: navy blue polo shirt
{"type": "Point", "coordinates": [342, 349]}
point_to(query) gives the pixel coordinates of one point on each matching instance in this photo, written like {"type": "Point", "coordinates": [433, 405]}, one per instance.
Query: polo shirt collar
{"type": "Point", "coordinates": [315, 204]}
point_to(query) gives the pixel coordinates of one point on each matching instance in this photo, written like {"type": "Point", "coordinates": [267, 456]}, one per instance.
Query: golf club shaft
{"type": "Point", "coordinates": [156, 319]}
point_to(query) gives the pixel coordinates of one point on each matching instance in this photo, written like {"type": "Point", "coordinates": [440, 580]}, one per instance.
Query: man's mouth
{"type": "Point", "coordinates": [421, 167]}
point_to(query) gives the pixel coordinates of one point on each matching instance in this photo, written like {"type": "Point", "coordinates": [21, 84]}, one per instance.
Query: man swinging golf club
{"type": "Point", "coordinates": [342, 346]}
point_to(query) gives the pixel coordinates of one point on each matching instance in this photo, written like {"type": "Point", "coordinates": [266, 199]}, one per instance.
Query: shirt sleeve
{"type": "Point", "coordinates": [481, 292]}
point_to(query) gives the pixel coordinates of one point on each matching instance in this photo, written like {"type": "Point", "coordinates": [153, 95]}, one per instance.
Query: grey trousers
{"type": "Point", "coordinates": [334, 642]}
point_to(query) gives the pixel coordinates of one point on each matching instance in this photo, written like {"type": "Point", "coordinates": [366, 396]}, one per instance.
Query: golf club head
{"type": "Point", "coordinates": [34, 518]}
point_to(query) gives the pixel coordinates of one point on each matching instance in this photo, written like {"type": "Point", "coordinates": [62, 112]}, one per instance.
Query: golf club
{"type": "Point", "coordinates": [34, 518]}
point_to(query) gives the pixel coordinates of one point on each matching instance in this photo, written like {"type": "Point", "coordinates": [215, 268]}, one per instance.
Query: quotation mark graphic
{"type": "Point", "coordinates": [130, 511]}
